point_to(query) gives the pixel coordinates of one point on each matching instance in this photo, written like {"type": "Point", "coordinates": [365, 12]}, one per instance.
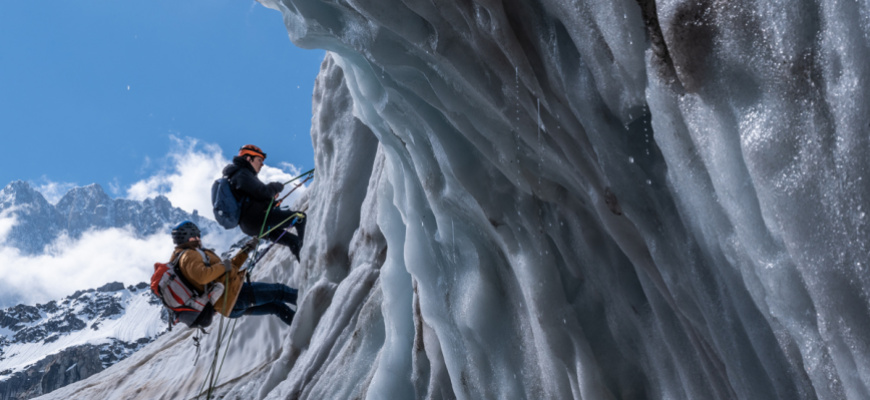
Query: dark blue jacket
{"type": "Point", "coordinates": [254, 194]}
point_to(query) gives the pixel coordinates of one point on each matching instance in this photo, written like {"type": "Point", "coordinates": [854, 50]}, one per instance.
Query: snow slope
{"type": "Point", "coordinates": [550, 199]}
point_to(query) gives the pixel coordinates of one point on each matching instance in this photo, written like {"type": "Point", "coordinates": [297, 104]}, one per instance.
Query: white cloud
{"type": "Point", "coordinates": [192, 168]}
{"type": "Point", "coordinates": [187, 180]}
{"type": "Point", "coordinates": [91, 261]}
{"type": "Point", "coordinates": [52, 191]}
{"type": "Point", "coordinates": [7, 222]}
{"type": "Point", "coordinates": [285, 173]}
{"type": "Point", "coordinates": [95, 259]}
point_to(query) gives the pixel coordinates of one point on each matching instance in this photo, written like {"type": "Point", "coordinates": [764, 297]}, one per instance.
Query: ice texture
{"type": "Point", "coordinates": [568, 199]}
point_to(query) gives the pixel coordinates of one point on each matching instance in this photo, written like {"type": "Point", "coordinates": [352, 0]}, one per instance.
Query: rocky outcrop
{"type": "Point", "coordinates": [52, 372]}
{"type": "Point", "coordinates": [85, 319]}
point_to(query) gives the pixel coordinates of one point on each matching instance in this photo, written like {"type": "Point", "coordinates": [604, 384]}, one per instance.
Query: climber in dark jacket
{"type": "Point", "coordinates": [256, 198]}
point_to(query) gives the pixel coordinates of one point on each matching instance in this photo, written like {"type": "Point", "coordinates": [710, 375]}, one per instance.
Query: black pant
{"type": "Point", "coordinates": [278, 217]}
{"type": "Point", "coordinates": [258, 298]}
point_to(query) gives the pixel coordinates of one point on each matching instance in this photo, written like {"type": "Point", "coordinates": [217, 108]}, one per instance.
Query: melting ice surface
{"type": "Point", "coordinates": [553, 199]}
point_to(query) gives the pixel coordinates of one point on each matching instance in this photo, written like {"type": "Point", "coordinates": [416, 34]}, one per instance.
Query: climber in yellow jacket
{"type": "Point", "coordinates": [239, 297]}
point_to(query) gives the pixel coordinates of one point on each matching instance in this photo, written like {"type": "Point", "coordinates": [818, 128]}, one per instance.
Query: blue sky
{"type": "Point", "coordinates": [144, 98]}
{"type": "Point", "coordinates": [115, 91]}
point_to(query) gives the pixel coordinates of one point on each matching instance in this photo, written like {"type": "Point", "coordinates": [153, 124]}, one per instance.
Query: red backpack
{"type": "Point", "coordinates": [181, 299]}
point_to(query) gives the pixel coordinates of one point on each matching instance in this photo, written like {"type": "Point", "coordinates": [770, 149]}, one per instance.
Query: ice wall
{"type": "Point", "coordinates": [587, 199]}
{"type": "Point", "coordinates": [628, 199]}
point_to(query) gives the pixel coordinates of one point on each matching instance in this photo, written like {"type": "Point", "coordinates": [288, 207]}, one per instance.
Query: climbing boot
{"type": "Point", "coordinates": [295, 245]}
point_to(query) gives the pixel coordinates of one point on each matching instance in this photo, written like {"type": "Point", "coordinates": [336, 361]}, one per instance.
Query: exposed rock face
{"type": "Point", "coordinates": [91, 320]}
{"type": "Point", "coordinates": [53, 372]}
{"type": "Point", "coordinates": [37, 219]}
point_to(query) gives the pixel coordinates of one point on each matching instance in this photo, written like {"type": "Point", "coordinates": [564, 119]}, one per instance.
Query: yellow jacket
{"type": "Point", "coordinates": [199, 275]}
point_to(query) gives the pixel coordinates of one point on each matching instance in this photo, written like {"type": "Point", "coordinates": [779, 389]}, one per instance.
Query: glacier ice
{"type": "Point", "coordinates": [568, 199]}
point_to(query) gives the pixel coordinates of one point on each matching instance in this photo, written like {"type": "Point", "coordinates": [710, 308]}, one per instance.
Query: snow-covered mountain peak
{"type": "Point", "coordinates": [84, 197]}
{"type": "Point", "coordinates": [21, 193]}
{"type": "Point", "coordinates": [38, 223]}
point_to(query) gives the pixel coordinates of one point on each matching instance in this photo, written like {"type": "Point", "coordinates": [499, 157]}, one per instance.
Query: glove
{"type": "Point", "coordinates": [228, 265]}
{"type": "Point", "coordinates": [276, 187]}
{"type": "Point", "coordinates": [250, 245]}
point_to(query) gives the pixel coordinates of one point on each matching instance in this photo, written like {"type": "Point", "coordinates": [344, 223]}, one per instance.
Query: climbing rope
{"type": "Point", "coordinates": [215, 370]}
{"type": "Point", "coordinates": [308, 173]}
{"type": "Point", "coordinates": [308, 176]}
{"type": "Point", "coordinates": [292, 219]}
{"type": "Point", "coordinates": [212, 375]}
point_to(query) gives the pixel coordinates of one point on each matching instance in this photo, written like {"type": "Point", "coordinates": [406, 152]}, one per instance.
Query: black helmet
{"type": "Point", "coordinates": [184, 231]}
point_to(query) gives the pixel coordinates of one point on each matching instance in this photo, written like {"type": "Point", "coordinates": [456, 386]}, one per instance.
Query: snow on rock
{"type": "Point", "coordinates": [39, 224]}
{"type": "Point", "coordinates": [47, 346]}
{"type": "Point", "coordinates": [548, 199]}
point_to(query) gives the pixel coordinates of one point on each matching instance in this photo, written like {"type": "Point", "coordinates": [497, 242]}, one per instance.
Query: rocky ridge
{"type": "Point", "coordinates": [83, 334]}
{"type": "Point", "coordinates": [39, 223]}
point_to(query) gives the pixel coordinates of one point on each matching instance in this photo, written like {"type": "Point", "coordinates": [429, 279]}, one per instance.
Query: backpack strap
{"type": "Point", "coordinates": [204, 257]}
{"type": "Point", "coordinates": [174, 265]}
{"type": "Point", "coordinates": [239, 197]}
{"type": "Point", "coordinates": [205, 260]}
{"type": "Point", "coordinates": [173, 261]}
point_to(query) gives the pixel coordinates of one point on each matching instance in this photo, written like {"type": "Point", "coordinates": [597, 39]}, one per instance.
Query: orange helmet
{"type": "Point", "coordinates": [251, 150]}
